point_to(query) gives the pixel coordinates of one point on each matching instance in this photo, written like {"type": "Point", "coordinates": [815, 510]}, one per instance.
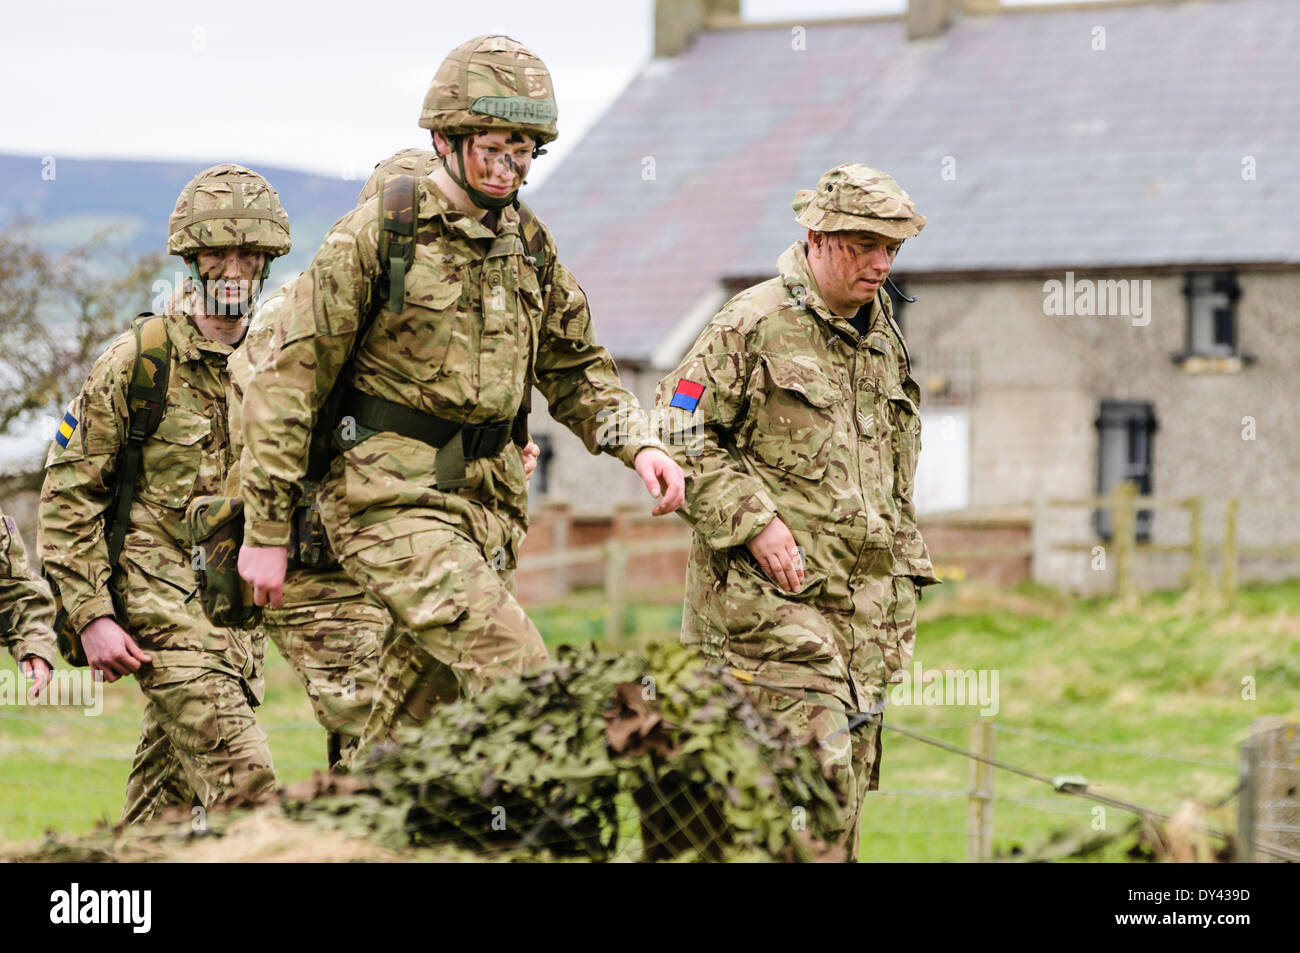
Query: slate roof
{"type": "Point", "coordinates": [1065, 156]}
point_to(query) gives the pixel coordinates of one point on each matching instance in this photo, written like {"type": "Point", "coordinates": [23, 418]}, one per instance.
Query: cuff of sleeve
{"type": "Point", "coordinates": [38, 646]}
{"type": "Point", "coordinates": [267, 533]}
{"type": "Point", "coordinates": [722, 530]}
{"type": "Point", "coordinates": [920, 570]}
{"type": "Point", "coordinates": [91, 609]}
{"type": "Point", "coordinates": [628, 451]}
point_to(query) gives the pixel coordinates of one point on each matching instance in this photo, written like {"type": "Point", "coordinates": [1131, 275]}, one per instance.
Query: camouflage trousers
{"type": "Point", "coordinates": [849, 758]}
{"type": "Point", "coordinates": [457, 626]}
{"type": "Point", "coordinates": [333, 646]}
{"type": "Point", "coordinates": [199, 744]}
{"type": "Point", "coordinates": [830, 651]}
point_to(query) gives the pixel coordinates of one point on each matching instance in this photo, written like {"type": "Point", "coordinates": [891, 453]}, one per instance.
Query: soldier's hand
{"type": "Point", "coordinates": [110, 649]}
{"type": "Point", "coordinates": [778, 555]}
{"type": "Point", "coordinates": [663, 479]}
{"type": "Point", "coordinates": [39, 672]}
{"type": "Point", "coordinates": [263, 568]}
{"type": "Point", "coordinates": [531, 453]}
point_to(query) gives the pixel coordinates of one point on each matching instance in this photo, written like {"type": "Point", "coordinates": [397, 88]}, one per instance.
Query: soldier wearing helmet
{"type": "Point", "coordinates": [425, 498]}
{"type": "Point", "coordinates": [795, 418]}
{"type": "Point", "coordinates": [124, 466]}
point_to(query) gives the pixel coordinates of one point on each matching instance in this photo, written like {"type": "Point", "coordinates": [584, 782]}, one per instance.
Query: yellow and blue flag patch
{"type": "Point", "coordinates": [66, 427]}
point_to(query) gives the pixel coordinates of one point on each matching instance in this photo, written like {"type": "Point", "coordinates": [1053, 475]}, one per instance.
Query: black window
{"type": "Point", "coordinates": [542, 476]}
{"type": "Point", "coordinates": [1212, 313]}
{"type": "Point", "coordinates": [1126, 432]}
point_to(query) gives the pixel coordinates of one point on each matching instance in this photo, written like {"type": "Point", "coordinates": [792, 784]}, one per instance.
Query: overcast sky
{"type": "Point", "coordinates": [332, 91]}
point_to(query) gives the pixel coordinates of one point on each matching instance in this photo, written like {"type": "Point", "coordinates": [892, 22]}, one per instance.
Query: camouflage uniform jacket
{"type": "Point", "coordinates": [482, 321]}
{"type": "Point", "coordinates": [800, 416]}
{"type": "Point", "coordinates": [196, 443]}
{"type": "Point", "coordinates": [301, 586]}
{"type": "Point", "coordinates": [26, 611]}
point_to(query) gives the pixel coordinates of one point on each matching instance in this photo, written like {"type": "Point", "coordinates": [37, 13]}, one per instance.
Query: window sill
{"type": "Point", "coordinates": [1213, 363]}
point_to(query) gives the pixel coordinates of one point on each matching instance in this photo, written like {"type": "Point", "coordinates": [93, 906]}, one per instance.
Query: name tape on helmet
{"type": "Point", "coordinates": [520, 109]}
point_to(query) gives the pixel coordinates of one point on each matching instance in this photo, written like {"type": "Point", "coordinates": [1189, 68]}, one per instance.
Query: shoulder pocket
{"type": "Point", "coordinates": [567, 314]}
{"type": "Point", "coordinates": [794, 417]}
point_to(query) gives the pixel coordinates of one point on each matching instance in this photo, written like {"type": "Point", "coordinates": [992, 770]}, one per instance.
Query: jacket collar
{"type": "Point", "coordinates": [187, 340]}
{"type": "Point", "coordinates": [434, 204]}
{"type": "Point", "coordinates": [798, 278]}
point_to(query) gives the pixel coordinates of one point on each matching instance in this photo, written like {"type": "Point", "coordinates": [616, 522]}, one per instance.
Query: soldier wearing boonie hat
{"type": "Point", "coordinates": [794, 417]}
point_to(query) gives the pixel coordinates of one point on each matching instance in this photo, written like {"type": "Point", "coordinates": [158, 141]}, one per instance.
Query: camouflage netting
{"type": "Point", "coordinates": [630, 757]}
{"type": "Point", "coordinates": [598, 757]}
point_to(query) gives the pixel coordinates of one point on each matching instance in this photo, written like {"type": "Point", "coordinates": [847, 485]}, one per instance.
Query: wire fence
{"type": "Point", "coordinates": [62, 771]}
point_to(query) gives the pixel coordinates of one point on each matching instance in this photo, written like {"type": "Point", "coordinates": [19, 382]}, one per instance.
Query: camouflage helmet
{"type": "Point", "coordinates": [491, 83]}
{"type": "Point", "coordinates": [228, 206]}
{"type": "Point", "coordinates": [858, 198]}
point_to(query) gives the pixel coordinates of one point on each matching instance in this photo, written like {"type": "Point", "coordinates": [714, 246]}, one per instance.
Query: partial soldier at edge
{"type": "Point", "coordinates": [26, 611]}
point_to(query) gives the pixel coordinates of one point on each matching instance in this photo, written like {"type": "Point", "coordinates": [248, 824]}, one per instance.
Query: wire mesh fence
{"type": "Point", "coordinates": [61, 770]}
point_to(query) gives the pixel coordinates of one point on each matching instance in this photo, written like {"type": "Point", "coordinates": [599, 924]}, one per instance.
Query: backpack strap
{"type": "Point", "coordinates": [146, 396]}
{"type": "Point", "coordinates": [534, 238]}
{"type": "Point", "coordinates": [399, 198]}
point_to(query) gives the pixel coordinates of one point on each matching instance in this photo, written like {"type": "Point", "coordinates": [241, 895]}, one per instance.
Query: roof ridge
{"type": "Point", "coordinates": [729, 22]}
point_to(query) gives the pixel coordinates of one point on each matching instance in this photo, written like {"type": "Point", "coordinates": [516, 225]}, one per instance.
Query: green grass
{"type": "Point", "coordinates": [1160, 679]}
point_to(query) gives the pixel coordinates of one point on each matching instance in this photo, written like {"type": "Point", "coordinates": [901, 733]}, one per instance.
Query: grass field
{"type": "Point", "coordinates": [1146, 703]}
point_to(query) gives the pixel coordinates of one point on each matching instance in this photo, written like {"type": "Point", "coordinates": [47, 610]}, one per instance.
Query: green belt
{"type": "Point", "coordinates": [456, 441]}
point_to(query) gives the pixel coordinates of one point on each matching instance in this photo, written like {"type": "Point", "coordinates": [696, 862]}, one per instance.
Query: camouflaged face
{"type": "Point", "coordinates": [228, 206]}
{"type": "Point", "coordinates": [491, 83]}
{"type": "Point", "coordinates": [858, 198]}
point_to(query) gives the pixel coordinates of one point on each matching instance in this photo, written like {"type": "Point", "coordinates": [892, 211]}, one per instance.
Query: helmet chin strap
{"type": "Point", "coordinates": [225, 309]}
{"type": "Point", "coordinates": [479, 198]}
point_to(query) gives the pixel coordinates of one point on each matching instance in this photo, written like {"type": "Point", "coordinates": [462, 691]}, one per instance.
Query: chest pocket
{"type": "Point", "coordinates": [416, 343]}
{"type": "Point", "coordinates": [795, 418]}
{"type": "Point", "coordinates": [172, 458]}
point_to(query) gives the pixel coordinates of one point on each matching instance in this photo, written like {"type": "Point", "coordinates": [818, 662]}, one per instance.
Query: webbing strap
{"type": "Point", "coordinates": [455, 442]}
{"type": "Point", "coordinates": [146, 397]}
{"type": "Point", "coordinates": [397, 212]}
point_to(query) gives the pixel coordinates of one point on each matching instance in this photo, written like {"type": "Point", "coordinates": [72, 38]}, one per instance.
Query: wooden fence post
{"type": "Point", "coordinates": [1275, 741]}
{"type": "Point", "coordinates": [1038, 540]}
{"type": "Point", "coordinates": [615, 589]}
{"type": "Point", "coordinates": [979, 810]}
{"type": "Point", "coordinates": [1124, 528]}
{"type": "Point", "coordinates": [1230, 549]}
{"type": "Point", "coordinates": [560, 544]}
{"type": "Point", "coordinates": [1198, 576]}
{"type": "Point", "coordinates": [1247, 774]}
